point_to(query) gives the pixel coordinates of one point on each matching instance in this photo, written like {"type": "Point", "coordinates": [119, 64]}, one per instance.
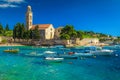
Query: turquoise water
{"type": "Point", "coordinates": [19, 67]}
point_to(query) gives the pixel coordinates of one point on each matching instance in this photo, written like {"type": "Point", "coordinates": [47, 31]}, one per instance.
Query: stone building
{"type": "Point", "coordinates": [89, 41]}
{"type": "Point", "coordinates": [57, 32]}
{"type": "Point", "coordinates": [46, 30]}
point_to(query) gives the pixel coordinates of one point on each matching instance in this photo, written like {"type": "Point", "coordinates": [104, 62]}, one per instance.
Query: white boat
{"type": "Point", "coordinates": [49, 52]}
{"type": "Point", "coordinates": [103, 52]}
{"type": "Point", "coordinates": [34, 54]}
{"type": "Point", "coordinates": [52, 59]}
{"type": "Point", "coordinates": [69, 56]}
{"type": "Point", "coordinates": [84, 54]}
{"type": "Point", "coordinates": [100, 51]}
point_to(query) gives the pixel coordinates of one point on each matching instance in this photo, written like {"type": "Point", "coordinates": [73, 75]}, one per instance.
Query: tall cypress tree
{"type": "Point", "coordinates": [7, 27]}
{"type": "Point", "coordinates": [1, 29]}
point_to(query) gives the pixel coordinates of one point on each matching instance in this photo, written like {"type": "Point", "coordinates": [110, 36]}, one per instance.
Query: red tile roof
{"type": "Point", "coordinates": [41, 26]}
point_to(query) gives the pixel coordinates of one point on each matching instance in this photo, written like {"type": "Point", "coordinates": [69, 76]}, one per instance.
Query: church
{"type": "Point", "coordinates": [46, 30]}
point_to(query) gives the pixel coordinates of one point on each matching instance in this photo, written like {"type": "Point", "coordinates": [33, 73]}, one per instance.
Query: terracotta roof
{"type": "Point", "coordinates": [41, 26]}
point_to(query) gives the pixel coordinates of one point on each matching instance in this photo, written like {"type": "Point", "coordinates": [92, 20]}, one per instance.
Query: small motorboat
{"type": "Point", "coordinates": [103, 52]}
{"type": "Point", "coordinates": [53, 59]}
{"type": "Point", "coordinates": [12, 50]}
{"type": "Point", "coordinates": [65, 56]}
{"type": "Point", "coordinates": [49, 52]}
{"type": "Point", "coordinates": [84, 54]}
{"type": "Point", "coordinates": [34, 54]}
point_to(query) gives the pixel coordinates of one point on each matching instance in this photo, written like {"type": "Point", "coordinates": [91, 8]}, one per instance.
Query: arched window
{"type": "Point", "coordinates": [30, 17]}
{"type": "Point", "coordinates": [30, 23]}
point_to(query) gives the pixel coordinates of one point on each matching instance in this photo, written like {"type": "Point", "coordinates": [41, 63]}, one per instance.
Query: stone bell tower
{"type": "Point", "coordinates": [29, 18]}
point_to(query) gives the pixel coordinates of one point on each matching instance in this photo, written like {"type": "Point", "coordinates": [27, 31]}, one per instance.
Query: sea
{"type": "Point", "coordinates": [21, 67]}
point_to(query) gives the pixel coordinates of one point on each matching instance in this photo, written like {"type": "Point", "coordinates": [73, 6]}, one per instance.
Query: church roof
{"type": "Point", "coordinates": [41, 26]}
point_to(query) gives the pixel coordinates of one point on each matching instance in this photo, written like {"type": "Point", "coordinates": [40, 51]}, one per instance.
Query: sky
{"type": "Point", "coordinates": [101, 16]}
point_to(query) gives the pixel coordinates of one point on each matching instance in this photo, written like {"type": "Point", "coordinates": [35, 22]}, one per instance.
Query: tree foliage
{"type": "Point", "coordinates": [7, 27]}
{"type": "Point", "coordinates": [5, 31]}
{"type": "Point", "coordinates": [36, 33]}
{"type": "Point", "coordinates": [1, 29]}
{"type": "Point", "coordinates": [65, 36]}
{"type": "Point", "coordinates": [68, 32]}
{"type": "Point", "coordinates": [20, 32]}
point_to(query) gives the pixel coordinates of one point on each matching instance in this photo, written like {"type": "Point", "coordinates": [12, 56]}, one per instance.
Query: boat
{"type": "Point", "coordinates": [12, 50]}
{"type": "Point", "coordinates": [51, 56]}
{"type": "Point", "coordinates": [84, 54]}
{"type": "Point", "coordinates": [49, 52]}
{"type": "Point", "coordinates": [34, 54]}
{"type": "Point", "coordinates": [103, 52]}
{"type": "Point", "coordinates": [93, 50]}
{"type": "Point", "coordinates": [66, 56]}
{"type": "Point", "coordinates": [53, 59]}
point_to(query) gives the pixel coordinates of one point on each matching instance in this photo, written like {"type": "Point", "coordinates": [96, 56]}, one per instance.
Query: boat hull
{"type": "Point", "coordinates": [11, 51]}
{"type": "Point", "coordinates": [69, 56]}
{"type": "Point", "coordinates": [56, 60]}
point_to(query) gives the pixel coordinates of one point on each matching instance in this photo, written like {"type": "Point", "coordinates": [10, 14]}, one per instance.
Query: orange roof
{"type": "Point", "coordinates": [41, 26]}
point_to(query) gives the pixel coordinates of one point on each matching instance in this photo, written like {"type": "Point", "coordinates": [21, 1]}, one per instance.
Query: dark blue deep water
{"type": "Point", "coordinates": [19, 67]}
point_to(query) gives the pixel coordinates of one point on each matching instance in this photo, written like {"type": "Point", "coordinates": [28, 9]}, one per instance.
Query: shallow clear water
{"type": "Point", "coordinates": [19, 67]}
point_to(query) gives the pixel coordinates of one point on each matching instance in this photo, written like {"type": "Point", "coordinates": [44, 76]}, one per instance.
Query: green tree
{"type": "Point", "coordinates": [80, 34]}
{"type": "Point", "coordinates": [69, 30]}
{"type": "Point", "coordinates": [26, 34]}
{"type": "Point", "coordinates": [36, 33]}
{"type": "Point", "coordinates": [18, 31]}
{"type": "Point", "coordinates": [31, 34]}
{"type": "Point", "coordinates": [65, 36]}
{"type": "Point", "coordinates": [22, 31]}
{"type": "Point", "coordinates": [7, 27]}
{"type": "Point", "coordinates": [1, 29]}
{"type": "Point", "coordinates": [15, 33]}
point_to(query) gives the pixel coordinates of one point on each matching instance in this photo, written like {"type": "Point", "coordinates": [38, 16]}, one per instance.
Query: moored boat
{"type": "Point", "coordinates": [103, 52]}
{"type": "Point", "coordinates": [84, 54]}
{"type": "Point", "coordinates": [53, 59]}
{"type": "Point", "coordinates": [12, 50]}
{"type": "Point", "coordinates": [65, 56]}
{"type": "Point", "coordinates": [34, 54]}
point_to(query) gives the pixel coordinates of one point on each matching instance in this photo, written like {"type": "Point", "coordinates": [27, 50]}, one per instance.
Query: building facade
{"type": "Point", "coordinates": [57, 32]}
{"type": "Point", "coordinates": [29, 18]}
{"type": "Point", "coordinates": [46, 30]}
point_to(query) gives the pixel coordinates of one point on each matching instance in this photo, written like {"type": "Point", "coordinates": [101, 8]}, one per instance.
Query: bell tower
{"type": "Point", "coordinates": [29, 18]}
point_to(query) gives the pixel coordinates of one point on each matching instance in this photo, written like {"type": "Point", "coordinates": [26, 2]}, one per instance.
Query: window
{"type": "Point", "coordinates": [30, 23]}
{"type": "Point", "coordinates": [58, 30]}
{"type": "Point", "coordinates": [30, 17]}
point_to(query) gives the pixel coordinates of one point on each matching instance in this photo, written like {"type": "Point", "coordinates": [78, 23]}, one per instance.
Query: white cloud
{"type": "Point", "coordinates": [14, 1]}
{"type": "Point", "coordinates": [11, 3]}
{"type": "Point", "coordinates": [7, 5]}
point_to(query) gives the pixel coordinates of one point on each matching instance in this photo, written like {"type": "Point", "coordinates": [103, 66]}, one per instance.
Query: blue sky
{"type": "Point", "coordinates": [91, 15]}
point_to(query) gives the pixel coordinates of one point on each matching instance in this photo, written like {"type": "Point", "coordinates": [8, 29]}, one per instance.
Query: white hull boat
{"type": "Point", "coordinates": [34, 54]}
{"type": "Point", "coordinates": [52, 59]}
{"type": "Point", "coordinates": [69, 56]}
{"type": "Point", "coordinates": [103, 52]}
{"type": "Point", "coordinates": [84, 54]}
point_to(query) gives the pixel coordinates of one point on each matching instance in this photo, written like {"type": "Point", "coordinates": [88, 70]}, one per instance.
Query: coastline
{"type": "Point", "coordinates": [11, 44]}
{"type": "Point", "coordinates": [67, 45]}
